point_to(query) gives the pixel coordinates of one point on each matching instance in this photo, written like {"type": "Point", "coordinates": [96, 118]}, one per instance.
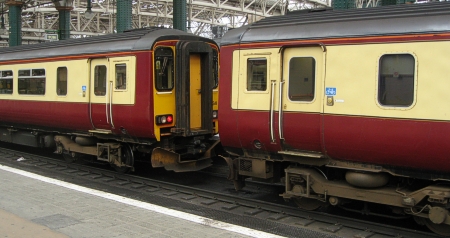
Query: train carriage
{"type": "Point", "coordinates": [343, 106]}
{"type": "Point", "coordinates": [115, 98]}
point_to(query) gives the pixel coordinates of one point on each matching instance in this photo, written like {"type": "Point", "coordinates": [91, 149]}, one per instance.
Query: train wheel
{"type": "Point", "coordinates": [127, 159]}
{"type": "Point", "coordinates": [71, 157]}
{"type": "Point", "coordinates": [441, 229]}
{"type": "Point", "coordinates": [309, 204]}
{"type": "Point", "coordinates": [304, 203]}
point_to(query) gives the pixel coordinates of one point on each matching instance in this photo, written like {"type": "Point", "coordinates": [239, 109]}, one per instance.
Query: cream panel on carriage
{"type": "Point", "coordinates": [303, 76]}
{"type": "Point", "coordinates": [255, 79]}
{"type": "Point", "coordinates": [66, 81]}
{"type": "Point", "coordinates": [113, 80]}
{"type": "Point", "coordinates": [356, 80]}
{"type": "Point", "coordinates": [43, 86]}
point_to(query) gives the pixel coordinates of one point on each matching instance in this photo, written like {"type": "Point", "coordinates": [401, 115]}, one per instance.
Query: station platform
{"type": "Point", "coordinates": [32, 205]}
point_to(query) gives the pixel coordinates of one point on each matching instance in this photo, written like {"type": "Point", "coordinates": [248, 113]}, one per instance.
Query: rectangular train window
{"type": "Point", "coordinates": [61, 81]}
{"type": "Point", "coordinates": [257, 74]}
{"type": "Point", "coordinates": [31, 81]}
{"type": "Point", "coordinates": [302, 80]}
{"type": "Point", "coordinates": [164, 68]}
{"type": "Point", "coordinates": [6, 82]}
{"type": "Point", "coordinates": [100, 80]}
{"type": "Point", "coordinates": [396, 80]}
{"type": "Point", "coordinates": [121, 76]}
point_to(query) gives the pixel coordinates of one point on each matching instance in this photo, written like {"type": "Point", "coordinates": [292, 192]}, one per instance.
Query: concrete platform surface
{"type": "Point", "coordinates": [35, 206]}
{"type": "Point", "coordinates": [14, 226]}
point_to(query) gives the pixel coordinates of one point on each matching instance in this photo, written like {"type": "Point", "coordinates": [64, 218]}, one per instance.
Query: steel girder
{"type": "Point", "coordinates": [202, 16]}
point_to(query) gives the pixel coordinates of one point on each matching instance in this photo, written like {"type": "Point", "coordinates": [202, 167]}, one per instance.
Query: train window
{"type": "Point", "coordinates": [61, 81]}
{"type": "Point", "coordinates": [215, 69]}
{"type": "Point", "coordinates": [38, 72]}
{"type": "Point", "coordinates": [302, 78]}
{"type": "Point", "coordinates": [31, 81]}
{"type": "Point", "coordinates": [6, 82]}
{"type": "Point", "coordinates": [257, 74]}
{"type": "Point", "coordinates": [24, 72]}
{"type": "Point", "coordinates": [164, 68]}
{"type": "Point", "coordinates": [396, 80]}
{"type": "Point", "coordinates": [100, 80]}
{"type": "Point", "coordinates": [121, 76]}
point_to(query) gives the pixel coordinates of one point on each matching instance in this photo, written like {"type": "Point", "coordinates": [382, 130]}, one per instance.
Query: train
{"type": "Point", "coordinates": [344, 108]}
{"type": "Point", "coordinates": [147, 94]}
{"type": "Point", "coordinates": [341, 108]}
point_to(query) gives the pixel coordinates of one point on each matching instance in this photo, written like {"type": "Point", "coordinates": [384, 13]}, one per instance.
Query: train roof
{"type": "Point", "coordinates": [328, 23]}
{"type": "Point", "coordinates": [133, 40]}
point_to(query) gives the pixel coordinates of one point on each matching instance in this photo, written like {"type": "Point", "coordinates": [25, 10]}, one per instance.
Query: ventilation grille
{"type": "Point", "coordinates": [245, 165]}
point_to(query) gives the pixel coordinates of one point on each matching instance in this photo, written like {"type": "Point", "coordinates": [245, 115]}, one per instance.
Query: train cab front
{"type": "Point", "coordinates": [185, 104]}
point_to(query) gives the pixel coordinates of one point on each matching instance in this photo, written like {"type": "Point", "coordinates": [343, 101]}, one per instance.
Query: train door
{"type": "Point", "coordinates": [301, 100]}
{"type": "Point", "coordinates": [195, 96]}
{"type": "Point", "coordinates": [194, 88]}
{"type": "Point", "coordinates": [100, 95]}
{"type": "Point", "coordinates": [255, 97]}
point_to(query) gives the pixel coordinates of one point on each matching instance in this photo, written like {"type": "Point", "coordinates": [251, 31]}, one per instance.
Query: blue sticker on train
{"type": "Point", "coordinates": [83, 88]}
{"type": "Point", "coordinates": [330, 91]}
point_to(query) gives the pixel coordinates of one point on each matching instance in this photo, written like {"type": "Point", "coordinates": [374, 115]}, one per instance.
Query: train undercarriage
{"type": "Point", "coordinates": [176, 154]}
{"type": "Point", "coordinates": [314, 184]}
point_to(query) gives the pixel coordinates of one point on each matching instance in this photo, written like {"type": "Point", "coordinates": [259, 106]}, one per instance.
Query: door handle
{"type": "Point", "coordinates": [110, 102]}
{"type": "Point", "coordinates": [106, 104]}
{"type": "Point", "coordinates": [272, 100]}
{"type": "Point", "coordinates": [280, 112]}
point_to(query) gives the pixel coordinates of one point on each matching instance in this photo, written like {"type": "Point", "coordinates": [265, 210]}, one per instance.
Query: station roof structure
{"type": "Point", "coordinates": [209, 18]}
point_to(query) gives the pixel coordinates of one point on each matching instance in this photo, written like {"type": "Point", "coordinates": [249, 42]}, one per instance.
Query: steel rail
{"type": "Point", "coordinates": [139, 182]}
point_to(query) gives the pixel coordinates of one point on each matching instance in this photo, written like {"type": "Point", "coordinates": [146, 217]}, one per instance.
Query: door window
{"type": "Point", "coordinates": [396, 80]}
{"type": "Point", "coordinates": [302, 78]}
{"type": "Point", "coordinates": [121, 76]}
{"type": "Point", "coordinates": [100, 80]}
{"type": "Point", "coordinates": [61, 81]}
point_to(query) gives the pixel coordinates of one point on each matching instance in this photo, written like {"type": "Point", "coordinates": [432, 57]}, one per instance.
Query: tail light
{"type": "Point", "coordinates": [215, 114]}
{"type": "Point", "coordinates": [164, 119]}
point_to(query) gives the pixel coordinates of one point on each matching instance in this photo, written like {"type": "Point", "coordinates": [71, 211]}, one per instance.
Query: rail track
{"type": "Point", "coordinates": [235, 208]}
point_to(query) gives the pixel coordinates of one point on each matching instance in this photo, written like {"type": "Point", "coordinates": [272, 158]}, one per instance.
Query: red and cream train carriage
{"type": "Point", "coordinates": [150, 90]}
{"type": "Point", "coordinates": [343, 106]}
